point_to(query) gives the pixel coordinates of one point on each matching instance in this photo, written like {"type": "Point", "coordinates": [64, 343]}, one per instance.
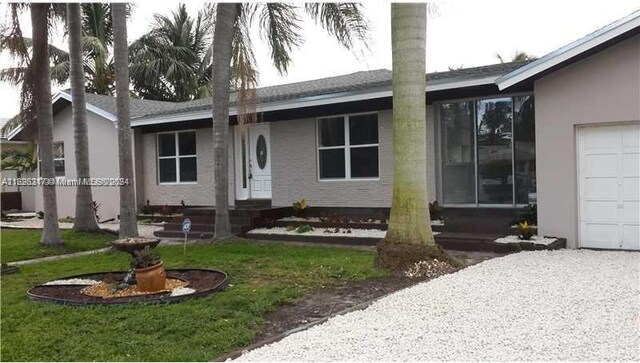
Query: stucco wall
{"type": "Point", "coordinates": [295, 169]}
{"type": "Point", "coordinates": [200, 193]}
{"type": "Point", "coordinates": [602, 88]}
{"type": "Point", "coordinates": [103, 161]}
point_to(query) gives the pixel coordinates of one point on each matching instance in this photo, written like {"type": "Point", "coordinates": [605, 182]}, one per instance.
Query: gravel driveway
{"type": "Point", "coordinates": [543, 305]}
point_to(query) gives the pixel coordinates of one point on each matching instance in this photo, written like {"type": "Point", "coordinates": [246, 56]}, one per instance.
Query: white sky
{"type": "Point", "coordinates": [463, 33]}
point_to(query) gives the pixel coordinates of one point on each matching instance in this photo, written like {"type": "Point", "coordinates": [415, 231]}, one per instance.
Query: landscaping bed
{"type": "Point", "coordinates": [200, 282]}
{"type": "Point", "coordinates": [340, 222]}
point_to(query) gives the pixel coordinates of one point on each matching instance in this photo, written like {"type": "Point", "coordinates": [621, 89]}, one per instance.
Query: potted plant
{"type": "Point", "coordinates": [300, 208]}
{"type": "Point", "coordinates": [150, 274]}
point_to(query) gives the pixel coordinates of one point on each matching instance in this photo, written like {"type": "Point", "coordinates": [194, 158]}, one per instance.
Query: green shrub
{"type": "Point", "coordinates": [526, 231]}
{"type": "Point", "coordinates": [304, 228]}
{"type": "Point", "coordinates": [435, 211]}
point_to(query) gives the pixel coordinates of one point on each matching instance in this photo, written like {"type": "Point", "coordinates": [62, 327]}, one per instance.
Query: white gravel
{"type": "Point", "coordinates": [72, 282]}
{"type": "Point", "coordinates": [355, 232]}
{"type": "Point", "coordinates": [535, 239]}
{"type": "Point", "coordinates": [539, 305]}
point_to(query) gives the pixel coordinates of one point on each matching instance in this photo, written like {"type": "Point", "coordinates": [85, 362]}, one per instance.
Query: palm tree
{"type": "Point", "coordinates": [518, 56]}
{"type": "Point", "coordinates": [279, 26]}
{"type": "Point", "coordinates": [128, 223]}
{"type": "Point", "coordinates": [409, 237]}
{"type": "Point", "coordinates": [172, 62]}
{"type": "Point", "coordinates": [22, 161]}
{"type": "Point", "coordinates": [38, 84]}
{"type": "Point", "coordinates": [97, 38]}
{"type": "Point", "coordinates": [85, 220]}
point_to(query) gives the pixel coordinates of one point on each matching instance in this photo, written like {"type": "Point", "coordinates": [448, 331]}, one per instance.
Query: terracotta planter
{"type": "Point", "coordinates": [151, 279]}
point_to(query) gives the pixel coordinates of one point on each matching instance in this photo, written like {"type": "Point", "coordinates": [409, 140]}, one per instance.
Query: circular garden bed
{"type": "Point", "coordinates": [181, 284]}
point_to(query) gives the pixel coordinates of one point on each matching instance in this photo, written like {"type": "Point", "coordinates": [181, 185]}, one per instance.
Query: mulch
{"type": "Point", "coordinates": [202, 281]}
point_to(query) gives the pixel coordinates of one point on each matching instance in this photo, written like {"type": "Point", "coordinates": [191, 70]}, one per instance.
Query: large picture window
{"type": "Point", "coordinates": [348, 147]}
{"type": "Point", "coordinates": [177, 160]}
{"type": "Point", "coordinates": [488, 151]}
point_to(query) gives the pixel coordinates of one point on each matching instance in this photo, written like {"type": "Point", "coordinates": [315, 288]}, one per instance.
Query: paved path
{"type": "Point", "coordinates": [57, 257]}
{"type": "Point", "coordinates": [144, 230]}
{"type": "Point", "coordinates": [543, 305]}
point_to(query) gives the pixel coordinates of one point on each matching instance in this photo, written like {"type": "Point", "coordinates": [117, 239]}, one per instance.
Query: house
{"type": "Point", "coordinates": [562, 131]}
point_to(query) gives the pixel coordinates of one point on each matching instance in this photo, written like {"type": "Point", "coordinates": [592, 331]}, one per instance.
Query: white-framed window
{"type": "Point", "coordinates": [348, 147]}
{"type": "Point", "coordinates": [177, 159]}
{"type": "Point", "coordinates": [58, 160]}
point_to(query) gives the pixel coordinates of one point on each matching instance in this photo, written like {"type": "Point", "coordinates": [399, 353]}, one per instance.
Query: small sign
{"type": "Point", "coordinates": [186, 225]}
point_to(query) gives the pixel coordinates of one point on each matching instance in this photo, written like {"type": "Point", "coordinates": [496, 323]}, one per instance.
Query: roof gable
{"type": "Point", "coordinates": [602, 37]}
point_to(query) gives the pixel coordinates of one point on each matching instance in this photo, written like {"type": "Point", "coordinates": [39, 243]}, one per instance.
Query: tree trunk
{"type": "Point", "coordinates": [409, 238]}
{"type": "Point", "coordinates": [223, 46]}
{"type": "Point", "coordinates": [128, 222]}
{"type": "Point", "coordinates": [44, 114]}
{"type": "Point", "coordinates": [85, 220]}
{"type": "Point", "coordinates": [409, 219]}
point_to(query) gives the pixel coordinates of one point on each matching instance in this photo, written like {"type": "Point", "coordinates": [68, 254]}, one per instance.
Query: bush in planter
{"type": "Point", "coordinates": [435, 211]}
{"type": "Point", "coordinates": [150, 274]}
{"type": "Point", "coordinates": [300, 207]}
{"type": "Point", "coordinates": [526, 231]}
{"type": "Point", "coordinates": [529, 214]}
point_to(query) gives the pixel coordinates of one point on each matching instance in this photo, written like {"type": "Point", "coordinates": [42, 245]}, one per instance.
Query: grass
{"type": "Point", "coordinates": [261, 276]}
{"type": "Point", "coordinates": [24, 244]}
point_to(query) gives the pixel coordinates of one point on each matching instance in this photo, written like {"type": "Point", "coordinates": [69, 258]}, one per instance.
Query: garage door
{"type": "Point", "coordinates": [609, 177]}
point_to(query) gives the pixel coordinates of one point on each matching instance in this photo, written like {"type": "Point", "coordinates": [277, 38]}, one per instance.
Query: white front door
{"type": "Point", "coordinates": [609, 184]}
{"type": "Point", "coordinates": [259, 161]}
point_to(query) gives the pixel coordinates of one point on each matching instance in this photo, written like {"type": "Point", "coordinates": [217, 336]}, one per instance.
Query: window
{"type": "Point", "coordinates": [177, 162]}
{"type": "Point", "coordinates": [488, 151]}
{"type": "Point", "coordinates": [58, 160]}
{"type": "Point", "coordinates": [348, 147]}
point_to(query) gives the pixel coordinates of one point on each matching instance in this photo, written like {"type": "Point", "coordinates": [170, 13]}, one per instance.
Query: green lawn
{"type": "Point", "coordinates": [23, 244]}
{"type": "Point", "coordinates": [261, 276]}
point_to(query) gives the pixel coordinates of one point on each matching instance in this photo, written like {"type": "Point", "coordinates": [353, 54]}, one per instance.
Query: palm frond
{"type": "Point", "coordinates": [280, 26]}
{"type": "Point", "coordinates": [345, 21]}
{"type": "Point", "coordinates": [244, 70]}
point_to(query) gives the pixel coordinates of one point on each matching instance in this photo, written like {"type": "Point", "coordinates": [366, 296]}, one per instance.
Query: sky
{"type": "Point", "coordinates": [462, 33]}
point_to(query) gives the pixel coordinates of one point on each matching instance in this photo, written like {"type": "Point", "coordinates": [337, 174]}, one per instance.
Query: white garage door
{"type": "Point", "coordinates": [609, 177]}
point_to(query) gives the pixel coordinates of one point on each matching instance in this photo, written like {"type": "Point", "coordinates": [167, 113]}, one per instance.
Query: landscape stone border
{"type": "Point", "coordinates": [142, 299]}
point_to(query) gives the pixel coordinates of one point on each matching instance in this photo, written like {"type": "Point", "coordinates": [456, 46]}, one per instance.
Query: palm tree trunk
{"type": "Point", "coordinates": [128, 222]}
{"type": "Point", "coordinates": [223, 47]}
{"type": "Point", "coordinates": [409, 219]}
{"type": "Point", "coordinates": [409, 238]}
{"type": "Point", "coordinates": [44, 115]}
{"type": "Point", "coordinates": [85, 220]}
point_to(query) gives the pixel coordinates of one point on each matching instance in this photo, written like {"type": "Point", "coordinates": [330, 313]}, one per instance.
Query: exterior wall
{"type": "Point", "coordinates": [295, 167]}
{"type": "Point", "coordinates": [199, 194]}
{"type": "Point", "coordinates": [600, 89]}
{"type": "Point", "coordinates": [103, 161]}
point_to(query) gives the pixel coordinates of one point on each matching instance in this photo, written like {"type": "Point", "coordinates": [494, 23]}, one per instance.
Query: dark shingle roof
{"type": "Point", "coordinates": [354, 82]}
{"type": "Point", "coordinates": [137, 107]}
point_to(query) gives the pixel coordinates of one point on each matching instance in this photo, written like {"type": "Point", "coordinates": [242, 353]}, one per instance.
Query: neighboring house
{"type": "Point", "coordinates": [563, 130]}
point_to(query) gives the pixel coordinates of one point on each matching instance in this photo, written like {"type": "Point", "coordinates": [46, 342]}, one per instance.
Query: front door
{"type": "Point", "coordinates": [259, 161]}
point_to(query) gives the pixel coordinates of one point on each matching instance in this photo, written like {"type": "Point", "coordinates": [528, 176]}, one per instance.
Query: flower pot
{"type": "Point", "coordinates": [151, 279]}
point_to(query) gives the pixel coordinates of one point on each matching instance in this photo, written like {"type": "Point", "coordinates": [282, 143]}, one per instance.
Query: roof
{"type": "Point", "coordinates": [374, 80]}
{"type": "Point", "coordinates": [343, 88]}
{"type": "Point", "coordinates": [137, 107]}
{"type": "Point", "coordinates": [630, 24]}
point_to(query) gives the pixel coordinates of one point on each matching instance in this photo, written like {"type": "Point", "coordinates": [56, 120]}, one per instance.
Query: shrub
{"type": "Point", "coordinates": [526, 231]}
{"type": "Point", "coordinates": [145, 258]}
{"type": "Point", "coordinates": [529, 214]}
{"type": "Point", "coordinates": [300, 207]}
{"type": "Point", "coordinates": [304, 228]}
{"type": "Point", "coordinates": [435, 211]}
